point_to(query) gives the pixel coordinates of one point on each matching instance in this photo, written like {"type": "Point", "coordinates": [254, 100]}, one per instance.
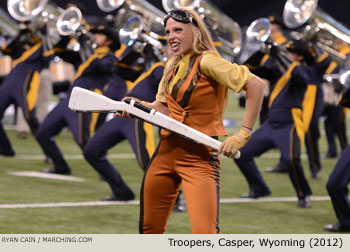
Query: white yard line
{"type": "Point", "coordinates": [69, 204]}
{"type": "Point", "coordinates": [72, 157]}
{"type": "Point", "coordinates": [35, 174]}
{"type": "Point", "coordinates": [136, 202]}
{"type": "Point", "coordinates": [126, 156]}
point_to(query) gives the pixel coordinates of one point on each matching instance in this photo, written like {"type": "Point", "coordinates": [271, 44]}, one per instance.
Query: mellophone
{"type": "Point", "coordinates": [83, 100]}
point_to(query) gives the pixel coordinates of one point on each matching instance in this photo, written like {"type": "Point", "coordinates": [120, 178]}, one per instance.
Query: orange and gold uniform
{"type": "Point", "coordinates": [197, 100]}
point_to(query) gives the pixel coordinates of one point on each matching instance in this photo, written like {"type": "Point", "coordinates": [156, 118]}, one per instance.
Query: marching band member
{"type": "Point", "coordinates": [93, 74]}
{"type": "Point", "coordinates": [137, 132]}
{"type": "Point", "coordinates": [283, 129]}
{"type": "Point", "coordinates": [337, 187]}
{"type": "Point", "coordinates": [195, 75]}
{"type": "Point", "coordinates": [21, 85]}
{"type": "Point", "coordinates": [335, 122]}
{"type": "Point", "coordinates": [278, 34]}
{"type": "Point", "coordinates": [338, 182]}
{"type": "Point", "coordinates": [42, 106]}
{"type": "Point", "coordinates": [313, 106]}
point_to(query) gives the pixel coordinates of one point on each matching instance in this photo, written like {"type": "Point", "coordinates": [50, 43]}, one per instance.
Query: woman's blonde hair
{"type": "Point", "coordinates": [202, 40]}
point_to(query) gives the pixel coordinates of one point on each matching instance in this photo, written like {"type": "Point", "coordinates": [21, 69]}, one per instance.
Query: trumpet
{"type": "Point", "coordinates": [222, 28]}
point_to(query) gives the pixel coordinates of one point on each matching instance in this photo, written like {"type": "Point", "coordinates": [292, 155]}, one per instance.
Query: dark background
{"type": "Point", "coordinates": [241, 11]}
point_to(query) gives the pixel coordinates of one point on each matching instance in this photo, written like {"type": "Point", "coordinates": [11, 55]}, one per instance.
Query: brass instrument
{"type": "Point", "coordinates": [136, 20]}
{"type": "Point", "coordinates": [223, 29]}
{"type": "Point", "coordinates": [40, 13]}
{"type": "Point", "coordinates": [259, 30]}
{"type": "Point", "coordinates": [8, 26]}
{"type": "Point", "coordinates": [331, 97]}
{"type": "Point", "coordinates": [109, 5]}
{"type": "Point", "coordinates": [69, 21]}
{"type": "Point", "coordinates": [320, 27]}
{"type": "Point", "coordinates": [25, 10]}
{"type": "Point", "coordinates": [34, 10]}
{"type": "Point", "coordinates": [258, 36]}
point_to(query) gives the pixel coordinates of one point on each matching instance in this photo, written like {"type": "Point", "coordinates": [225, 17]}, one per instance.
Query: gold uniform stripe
{"type": "Point", "coordinates": [148, 73]}
{"type": "Point", "coordinates": [322, 57]}
{"type": "Point", "coordinates": [299, 124]}
{"type": "Point", "coordinates": [217, 43]}
{"type": "Point", "coordinates": [129, 85]}
{"type": "Point", "coordinates": [309, 105]}
{"type": "Point", "coordinates": [53, 51]}
{"type": "Point", "coordinates": [282, 82]}
{"type": "Point", "coordinates": [99, 53]}
{"type": "Point", "coordinates": [345, 50]}
{"type": "Point", "coordinates": [26, 54]}
{"type": "Point", "coordinates": [331, 67]}
{"type": "Point", "coordinates": [32, 94]}
{"type": "Point", "coordinates": [150, 146]}
{"type": "Point", "coordinates": [120, 51]}
{"type": "Point", "coordinates": [83, 66]}
{"type": "Point", "coordinates": [264, 59]}
{"type": "Point", "coordinates": [94, 116]}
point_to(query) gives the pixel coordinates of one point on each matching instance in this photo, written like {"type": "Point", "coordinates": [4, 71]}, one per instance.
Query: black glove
{"type": "Point", "coordinates": [274, 51]}
{"type": "Point", "coordinates": [255, 59]}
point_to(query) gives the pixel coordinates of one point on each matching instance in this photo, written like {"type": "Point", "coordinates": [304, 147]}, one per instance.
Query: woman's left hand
{"type": "Point", "coordinates": [232, 144]}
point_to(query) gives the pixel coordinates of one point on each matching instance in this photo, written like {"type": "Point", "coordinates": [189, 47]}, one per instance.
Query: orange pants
{"type": "Point", "coordinates": [177, 162]}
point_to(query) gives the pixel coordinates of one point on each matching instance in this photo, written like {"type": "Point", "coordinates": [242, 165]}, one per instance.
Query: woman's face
{"type": "Point", "coordinates": [180, 37]}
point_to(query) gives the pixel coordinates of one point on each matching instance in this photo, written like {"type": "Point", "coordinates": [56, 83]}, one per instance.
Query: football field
{"type": "Point", "coordinates": [31, 203]}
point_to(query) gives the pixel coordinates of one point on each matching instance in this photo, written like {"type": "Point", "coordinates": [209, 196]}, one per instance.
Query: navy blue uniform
{"type": "Point", "coordinates": [313, 132]}
{"type": "Point", "coordinates": [93, 74]}
{"type": "Point", "coordinates": [337, 187]}
{"type": "Point", "coordinates": [281, 131]}
{"type": "Point", "coordinates": [21, 85]}
{"type": "Point", "coordinates": [127, 69]}
{"type": "Point", "coordinates": [338, 183]}
{"type": "Point", "coordinates": [335, 118]}
{"type": "Point", "coordinates": [137, 132]}
{"type": "Point", "coordinates": [335, 126]}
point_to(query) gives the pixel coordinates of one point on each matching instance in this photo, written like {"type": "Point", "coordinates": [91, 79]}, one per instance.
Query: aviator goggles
{"type": "Point", "coordinates": [179, 16]}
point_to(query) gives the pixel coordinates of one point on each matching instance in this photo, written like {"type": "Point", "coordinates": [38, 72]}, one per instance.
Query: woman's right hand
{"type": "Point", "coordinates": [125, 114]}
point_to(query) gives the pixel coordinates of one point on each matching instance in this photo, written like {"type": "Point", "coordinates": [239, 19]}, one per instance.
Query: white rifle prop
{"type": "Point", "coordinates": [83, 100]}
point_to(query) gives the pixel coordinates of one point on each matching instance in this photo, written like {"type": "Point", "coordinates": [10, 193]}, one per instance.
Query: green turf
{"type": "Point", "coordinates": [258, 217]}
